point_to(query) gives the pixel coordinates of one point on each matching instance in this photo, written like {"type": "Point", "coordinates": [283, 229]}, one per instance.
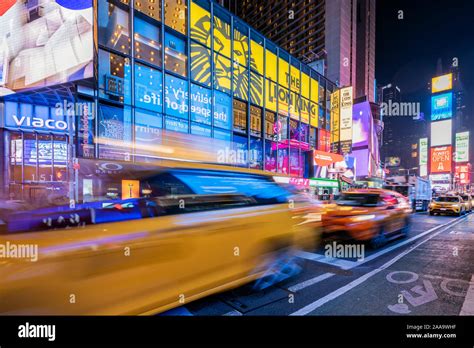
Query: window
{"type": "Point", "coordinates": [222, 37]}
{"type": "Point", "coordinates": [241, 82]}
{"type": "Point", "coordinates": [256, 88]}
{"type": "Point", "coordinates": [269, 125]}
{"type": "Point", "coordinates": [115, 132]}
{"type": "Point", "coordinates": [222, 73]}
{"type": "Point", "coordinates": [199, 129]}
{"type": "Point", "coordinates": [222, 110]}
{"type": "Point", "coordinates": [241, 44]}
{"type": "Point", "coordinates": [240, 116]}
{"type": "Point", "coordinates": [200, 64]}
{"type": "Point", "coordinates": [175, 54]}
{"type": "Point", "coordinates": [255, 121]}
{"type": "Point", "coordinates": [148, 88]}
{"type": "Point", "coordinates": [114, 31]}
{"type": "Point", "coordinates": [200, 24]}
{"type": "Point", "coordinates": [151, 8]}
{"type": "Point", "coordinates": [176, 97]}
{"type": "Point", "coordinates": [201, 104]}
{"type": "Point", "coordinates": [114, 77]}
{"type": "Point", "coordinates": [270, 156]}
{"type": "Point", "coordinates": [148, 131]}
{"type": "Point", "coordinates": [256, 153]}
{"type": "Point", "coordinates": [147, 42]}
{"type": "Point", "coordinates": [176, 125]}
{"type": "Point", "coordinates": [176, 14]}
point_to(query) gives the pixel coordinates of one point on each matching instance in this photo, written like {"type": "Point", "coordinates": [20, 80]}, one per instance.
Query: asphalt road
{"type": "Point", "coordinates": [429, 272]}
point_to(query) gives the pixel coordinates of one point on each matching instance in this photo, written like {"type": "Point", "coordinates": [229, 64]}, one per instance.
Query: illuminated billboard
{"type": "Point", "coordinates": [441, 133]}
{"type": "Point", "coordinates": [441, 106]}
{"type": "Point", "coordinates": [441, 83]}
{"type": "Point", "coordinates": [44, 43]}
{"type": "Point", "coordinates": [346, 114]}
{"type": "Point", "coordinates": [441, 159]}
{"type": "Point", "coordinates": [463, 174]}
{"type": "Point", "coordinates": [335, 114]}
{"type": "Point", "coordinates": [423, 151]}
{"type": "Point", "coordinates": [462, 147]}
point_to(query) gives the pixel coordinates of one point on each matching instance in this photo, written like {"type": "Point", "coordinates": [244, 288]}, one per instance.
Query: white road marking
{"type": "Point", "coordinates": [310, 282]}
{"type": "Point", "coordinates": [336, 293]}
{"type": "Point", "coordinates": [322, 277]}
{"type": "Point", "coordinates": [468, 305]}
{"type": "Point", "coordinates": [341, 263]}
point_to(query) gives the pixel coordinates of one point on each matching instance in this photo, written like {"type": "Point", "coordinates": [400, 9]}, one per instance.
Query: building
{"type": "Point", "coordinates": [337, 34]}
{"type": "Point", "coordinates": [186, 68]}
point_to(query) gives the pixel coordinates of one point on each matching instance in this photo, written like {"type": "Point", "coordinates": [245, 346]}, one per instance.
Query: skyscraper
{"type": "Point", "coordinates": [336, 37]}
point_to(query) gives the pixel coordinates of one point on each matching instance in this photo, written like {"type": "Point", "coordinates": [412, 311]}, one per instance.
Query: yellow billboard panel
{"type": "Point", "coordinates": [441, 83]}
{"type": "Point", "coordinates": [305, 110]}
{"type": "Point", "coordinates": [295, 79]}
{"type": "Point", "coordinates": [283, 72]}
{"type": "Point", "coordinates": [241, 48]}
{"type": "Point", "coordinates": [271, 95]}
{"type": "Point", "coordinates": [313, 114]}
{"type": "Point", "coordinates": [271, 65]}
{"type": "Point", "coordinates": [294, 105]}
{"type": "Point", "coordinates": [305, 85]}
{"type": "Point", "coordinates": [283, 101]}
{"type": "Point", "coordinates": [200, 24]}
{"type": "Point", "coordinates": [222, 42]}
{"type": "Point", "coordinates": [256, 61]}
{"type": "Point", "coordinates": [335, 114]}
{"type": "Point", "coordinates": [314, 91]}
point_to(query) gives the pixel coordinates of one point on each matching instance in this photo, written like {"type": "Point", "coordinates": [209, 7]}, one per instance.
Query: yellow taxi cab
{"type": "Point", "coordinates": [200, 229]}
{"type": "Point", "coordinates": [369, 215]}
{"type": "Point", "coordinates": [447, 204]}
{"type": "Point", "coordinates": [467, 200]}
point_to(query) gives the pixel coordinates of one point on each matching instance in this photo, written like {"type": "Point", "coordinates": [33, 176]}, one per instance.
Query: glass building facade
{"type": "Point", "coordinates": [192, 67]}
{"type": "Point", "coordinates": [184, 66]}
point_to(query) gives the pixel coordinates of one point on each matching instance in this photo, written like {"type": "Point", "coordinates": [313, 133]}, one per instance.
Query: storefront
{"type": "Point", "coordinates": [36, 153]}
{"type": "Point", "coordinates": [325, 189]}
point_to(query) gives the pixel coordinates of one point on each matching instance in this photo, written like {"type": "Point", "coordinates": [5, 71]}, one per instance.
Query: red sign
{"type": "Point", "coordinates": [322, 158]}
{"type": "Point", "coordinates": [441, 159]}
{"type": "Point", "coordinates": [463, 175]}
{"type": "Point", "coordinates": [324, 143]}
{"type": "Point", "coordinates": [5, 5]}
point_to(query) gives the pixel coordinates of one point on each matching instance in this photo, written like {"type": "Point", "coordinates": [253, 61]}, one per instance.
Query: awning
{"type": "Point", "coordinates": [323, 159]}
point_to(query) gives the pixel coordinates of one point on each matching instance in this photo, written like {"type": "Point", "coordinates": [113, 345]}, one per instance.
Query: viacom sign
{"type": "Point", "coordinates": [43, 121]}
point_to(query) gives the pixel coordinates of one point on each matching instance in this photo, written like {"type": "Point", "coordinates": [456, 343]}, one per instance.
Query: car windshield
{"type": "Point", "coordinates": [358, 200]}
{"type": "Point", "coordinates": [447, 199]}
{"type": "Point", "coordinates": [466, 198]}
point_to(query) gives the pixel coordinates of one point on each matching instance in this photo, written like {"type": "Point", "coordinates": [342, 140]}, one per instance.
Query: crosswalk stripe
{"type": "Point", "coordinates": [468, 305]}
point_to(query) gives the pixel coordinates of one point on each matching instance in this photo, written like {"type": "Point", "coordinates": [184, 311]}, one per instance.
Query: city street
{"type": "Point", "coordinates": [426, 273]}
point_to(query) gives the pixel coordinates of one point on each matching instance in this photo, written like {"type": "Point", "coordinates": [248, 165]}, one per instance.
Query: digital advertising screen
{"type": "Point", "coordinates": [462, 147]}
{"type": "Point", "coordinates": [441, 133]}
{"type": "Point", "coordinates": [442, 106]}
{"type": "Point", "coordinates": [441, 83]}
{"type": "Point", "coordinates": [423, 158]}
{"type": "Point", "coordinates": [441, 158]}
{"type": "Point", "coordinates": [44, 43]}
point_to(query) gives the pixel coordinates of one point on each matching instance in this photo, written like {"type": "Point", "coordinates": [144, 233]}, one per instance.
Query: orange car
{"type": "Point", "coordinates": [370, 215]}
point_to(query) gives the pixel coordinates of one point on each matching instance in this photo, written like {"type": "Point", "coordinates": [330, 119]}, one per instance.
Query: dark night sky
{"type": "Point", "coordinates": [407, 49]}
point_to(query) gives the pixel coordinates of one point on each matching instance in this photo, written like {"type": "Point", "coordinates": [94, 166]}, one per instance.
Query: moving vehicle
{"type": "Point", "coordinates": [447, 204]}
{"type": "Point", "coordinates": [417, 190]}
{"type": "Point", "coordinates": [199, 230]}
{"type": "Point", "coordinates": [467, 199]}
{"type": "Point", "coordinates": [370, 215]}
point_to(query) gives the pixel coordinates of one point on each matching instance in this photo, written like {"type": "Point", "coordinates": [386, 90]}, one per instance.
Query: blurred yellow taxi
{"type": "Point", "coordinates": [369, 215]}
{"type": "Point", "coordinates": [199, 230]}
